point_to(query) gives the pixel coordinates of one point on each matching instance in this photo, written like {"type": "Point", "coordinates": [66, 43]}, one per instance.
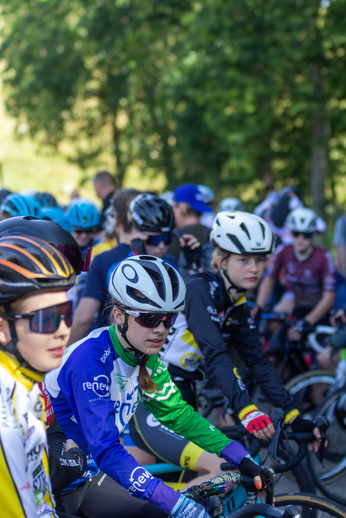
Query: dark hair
{"type": "Point", "coordinates": [144, 380]}
{"type": "Point", "coordinates": [105, 178]}
{"type": "Point", "coordinates": [121, 203]}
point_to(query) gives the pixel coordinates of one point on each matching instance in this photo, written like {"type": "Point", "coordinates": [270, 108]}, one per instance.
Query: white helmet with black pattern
{"type": "Point", "coordinates": [148, 283]}
{"type": "Point", "coordinates": [302, 220]}
{"type": "Point", "coordinates": [242, 233]}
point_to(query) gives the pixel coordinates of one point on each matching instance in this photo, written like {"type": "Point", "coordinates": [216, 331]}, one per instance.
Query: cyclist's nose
{"type": "Point", "coordinates": [160, 328]}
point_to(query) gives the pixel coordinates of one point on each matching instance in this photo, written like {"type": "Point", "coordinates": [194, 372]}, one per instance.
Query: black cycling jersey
{"type": "Point", "coordinates": [218, 324]}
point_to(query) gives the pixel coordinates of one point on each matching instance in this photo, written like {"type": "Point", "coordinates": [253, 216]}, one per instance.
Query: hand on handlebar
{"type": "Point", "coordinates": [338, 317]}
{"type": "Point", "coordinates": [186, 507]}
{"type": "Point", "coordinates": [300, 425]}
{"type": "Point", "coordinates": [299, 330]}
{"type": "Point", "coordinates": [259, 424]}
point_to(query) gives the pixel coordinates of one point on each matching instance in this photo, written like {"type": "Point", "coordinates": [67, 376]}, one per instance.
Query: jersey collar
{"type": "Point", "coordinates": [127, 357]}
{"type": "Point", "coordinates": [25, 376]}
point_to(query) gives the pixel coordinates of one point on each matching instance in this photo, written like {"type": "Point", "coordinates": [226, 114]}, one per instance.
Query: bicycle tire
{"type": "Point", "coordinates": [299, 388]}
{"type": "Point", "coordinates": [250, 511]}
{"type": "Point", "coordinates": [330, 485]}
{"type": "Point", "coordinates": [310, 504]}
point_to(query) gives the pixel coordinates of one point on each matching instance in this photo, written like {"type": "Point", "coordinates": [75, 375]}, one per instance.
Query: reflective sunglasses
{"type": "Point", "coordinates": [306, 235]}
{"type": "Point", "coordinates": [152, 320]}
{"type": "Point", "coordinates": [156, 240]}
{"type": "Point", "coordinates": [46, 320]}
{"type": "Point", "coordinates": [80, 262]}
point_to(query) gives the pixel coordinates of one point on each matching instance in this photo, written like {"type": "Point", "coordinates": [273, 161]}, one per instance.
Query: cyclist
{"type": "Point", "coordinates": [85, 220]}
{"type": "Point", "coordinates": [308, 272]}
{"type": "Point", "coordinates": [188, 207]}
{"type": "Point", "coordinates": [18, 205]}
{"type": "Point", "coordinates": [242, 242]}
{"type": "Point", "coordinates": [35, 316]}
{"type": "Point", "coordinates": [94, 399]}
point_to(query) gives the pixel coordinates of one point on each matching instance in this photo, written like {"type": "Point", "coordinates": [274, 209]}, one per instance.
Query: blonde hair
{"type": "Point", "coordinates": [144, 380]}
{"type": "Point", "coordinates": [218, 252]}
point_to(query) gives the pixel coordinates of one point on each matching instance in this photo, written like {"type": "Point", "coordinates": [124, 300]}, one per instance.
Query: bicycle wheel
{"type": "Point", "coordinates": [306, 389]}
{"type": "Point", "coordinates": [310, 506]}
{"type": "Point", "coordinates": [332, 478]}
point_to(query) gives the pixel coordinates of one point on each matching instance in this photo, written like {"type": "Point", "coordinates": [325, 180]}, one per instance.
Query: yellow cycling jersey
{"type": "Point", "coordinates": [25, 489]}
{"type": "Point", "coordinates": [180, 348]}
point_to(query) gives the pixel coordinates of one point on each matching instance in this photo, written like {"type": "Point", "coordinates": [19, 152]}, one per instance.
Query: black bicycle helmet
{"type": "Point", "coordinates": [50, 232]}
{"type": "Point", "coordinates": [150, 213]}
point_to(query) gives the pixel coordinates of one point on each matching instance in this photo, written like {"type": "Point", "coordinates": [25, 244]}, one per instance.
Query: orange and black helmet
{"type": "Point", "coordinates": [29, 265]}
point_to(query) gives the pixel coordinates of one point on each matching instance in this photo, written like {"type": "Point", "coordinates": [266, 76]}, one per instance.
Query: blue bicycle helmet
{"type": "Point", "coordinates": [18, 205]}
{"type": "Point", "coordinates": [58, 216]}
{"type": "Point", "coordinates": [84, 215]}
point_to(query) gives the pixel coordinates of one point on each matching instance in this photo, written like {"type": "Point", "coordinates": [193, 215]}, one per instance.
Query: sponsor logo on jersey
{"type": "Point", "coordinates": [139, 479]}
{"type": "Point", "coordinates": [212, 288]}
{"type": "Point", "coordinates": [152, 421]}
{"type": "Point", "coordinates": [100, 386]}
{"type": "Point", "coordinates": [121, 381]}
{"type": "Point", "coordinates": [35, 452]}
{"type": "Point", "coordinates": [211, 310]}
{"type": "Point", "coordinates": [188, 358]}
{"type": "Point", "coordinates": [105, 355]}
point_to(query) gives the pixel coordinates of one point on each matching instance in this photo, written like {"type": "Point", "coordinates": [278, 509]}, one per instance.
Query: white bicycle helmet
{"type": "Point", "coordinates": [161, 286]}
{"type": "Point", "coordinates": [302, 220]}
{"type": "Point", "coordinates": [230, 205]}
{"type": "Point", "coordinates": [242, 233]}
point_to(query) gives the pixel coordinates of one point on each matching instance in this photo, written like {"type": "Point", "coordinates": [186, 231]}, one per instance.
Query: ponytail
{"type": "Point", "coordinates": [145, 383]}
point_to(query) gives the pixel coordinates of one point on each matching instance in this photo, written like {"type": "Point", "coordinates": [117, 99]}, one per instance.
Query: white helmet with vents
{"type": "Point", "coordinates": [242, 233]}
{"type": "Point", "coordinates": [302, 220]}
{"type": "Point", "coordinates": [147, 283]}
{"type": "Point", "coordinates": [230, 204]}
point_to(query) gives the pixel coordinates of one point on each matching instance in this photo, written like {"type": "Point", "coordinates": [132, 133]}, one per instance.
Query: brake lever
{"type": "Point", "coordinates": [322, 424]}
{"type": "Point", "coordinates": [269, 479]}
{"type": "Point", "coordinates": [277, 418]}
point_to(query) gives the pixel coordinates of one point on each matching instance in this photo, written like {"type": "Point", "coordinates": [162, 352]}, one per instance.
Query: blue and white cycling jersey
{"type": "Point", "coordinates": [95, 392]}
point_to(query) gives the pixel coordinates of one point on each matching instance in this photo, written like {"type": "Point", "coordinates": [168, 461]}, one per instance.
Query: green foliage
{"type": "Point", "coordinates": [217, 92]}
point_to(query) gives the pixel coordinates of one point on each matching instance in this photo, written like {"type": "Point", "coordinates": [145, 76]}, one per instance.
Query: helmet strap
{"type": "Point", "coordinates": [232, 285]}
{"type": "Point", "coordinates": [123, 330]}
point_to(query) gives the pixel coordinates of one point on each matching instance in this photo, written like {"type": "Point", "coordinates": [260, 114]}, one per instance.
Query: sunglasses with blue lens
{"type": "Point", "coordinates": [156, 240]}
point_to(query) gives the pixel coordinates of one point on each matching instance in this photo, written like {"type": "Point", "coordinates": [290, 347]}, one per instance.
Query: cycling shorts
{"type": "Point", "coordinates": [150, 435]}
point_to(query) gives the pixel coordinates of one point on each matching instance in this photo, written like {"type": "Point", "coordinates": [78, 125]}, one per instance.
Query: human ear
{"type": "Point", "coordinates": [5, 335]}
{"type": "Point", "coordinates": [219, 260]}
{"type": "Point", "coordinates": [118, 316]}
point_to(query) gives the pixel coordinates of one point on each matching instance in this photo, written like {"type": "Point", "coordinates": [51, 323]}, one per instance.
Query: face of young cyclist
{"type": "Point", "coordinates": [145, 339]}
{"type": "Point", "coordinates": [245, 270]}
{"type": "Point", "coordinates": [83, 237]}
{"type": "Point", "coordinates": [42, 351]}
{"type": "Point", "coordinates": [302, 242]}
{"type": "Point", "coordinates": [156, 249]}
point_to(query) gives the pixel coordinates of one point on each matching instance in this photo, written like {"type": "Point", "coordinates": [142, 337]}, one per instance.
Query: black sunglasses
{"type": "Point", "coordinates": [306, 235]}
{"type": "Point", "coordinates": [85, 230]}
{"type": "Point", "coordinates": [152, 320]}
{"type": "Point", "coordinates": [156, 240]}
{"type": "Point", "coordinates": [45, 320]}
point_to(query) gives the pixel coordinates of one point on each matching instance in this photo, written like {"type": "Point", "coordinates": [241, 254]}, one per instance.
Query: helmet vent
{"type": "Point", "coordinates": [134, 294]}
{"type": "Point", "coordinates": [230, 217]}
{"type": "Point", "coordinates": [245, 229]}
{"type": "Point", "coordinates": [158, 281]}
{"type": "Point", "coordinates": [263, 230]}
{"type": "Point", "coordinates": [174, 280]}
{"type": "Point", "coordinates": [236, 242]}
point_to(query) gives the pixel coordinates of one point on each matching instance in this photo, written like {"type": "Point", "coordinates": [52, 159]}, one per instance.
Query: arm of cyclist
{"type": "Point", "coordinates": [83, 318]}
{"type": "Point", "coordinates": [67, 462]}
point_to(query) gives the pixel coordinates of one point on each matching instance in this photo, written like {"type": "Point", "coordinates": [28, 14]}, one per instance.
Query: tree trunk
{"type": "Point", "coordinates": [319, 148]}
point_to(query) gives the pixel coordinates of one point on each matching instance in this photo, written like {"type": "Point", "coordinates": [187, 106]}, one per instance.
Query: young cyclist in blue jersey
{"type": "Point", "coordinates": [103, 378]}
{"type": "Point", "coordinates": [35, 316]}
